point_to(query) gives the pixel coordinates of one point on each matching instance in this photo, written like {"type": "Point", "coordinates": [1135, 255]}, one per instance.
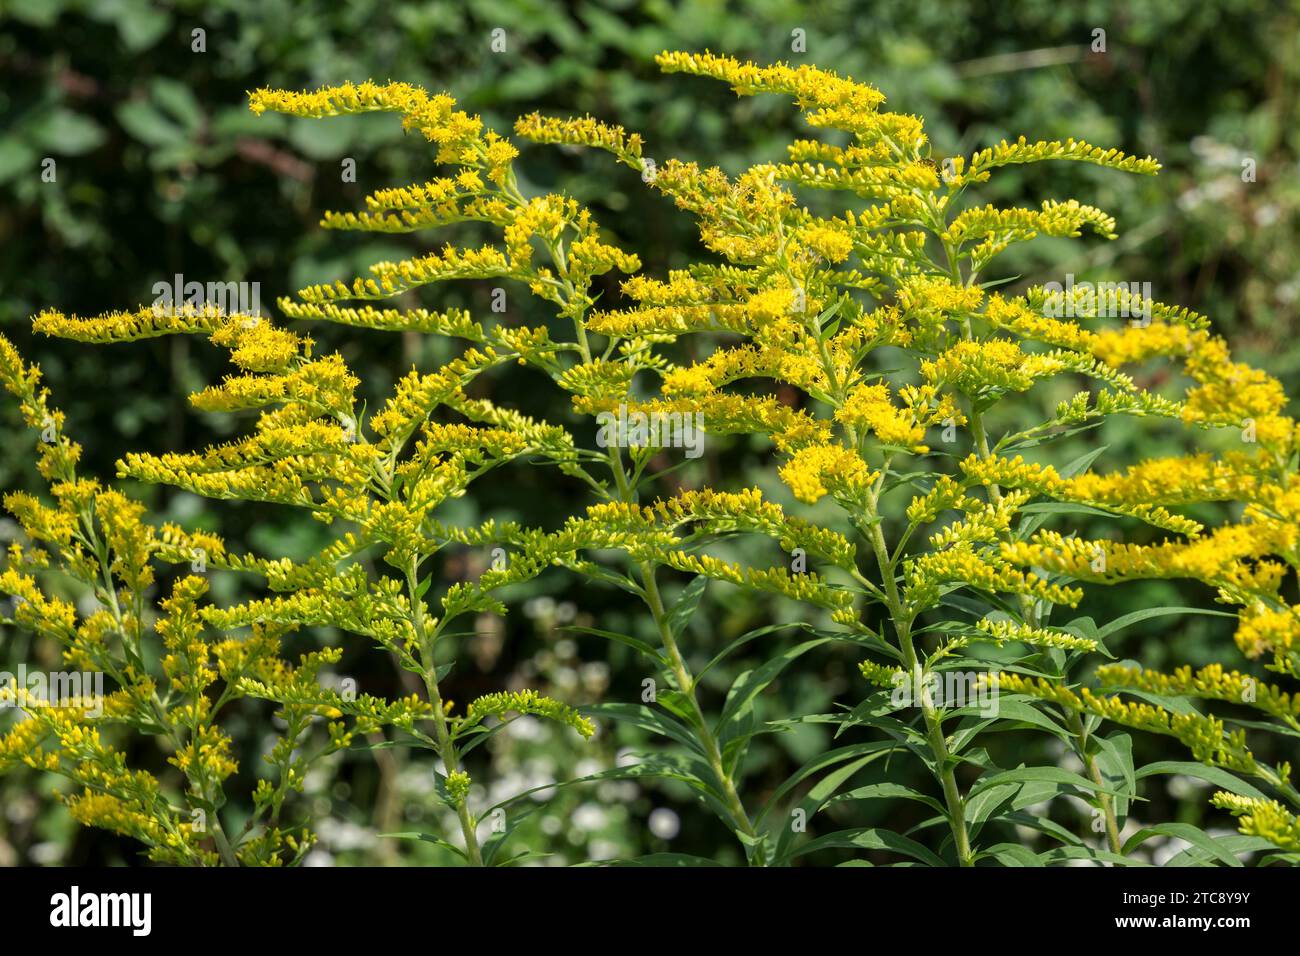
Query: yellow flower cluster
{"type": "Point", "coordinates": [1002, 631]}
{"type": "Point", "coordinates": [747, 511]}
{"type": "Point", "coordinates": [817, 470]}
{"type": "Point", "coordinates": [585, 131]}
{"type": "Point", "coordinates": [870, 408]}
{"type": "Point", "coordinates": [979, 570]}
{"type": "Point", "coordinates": [524, 702]}
{"type": "Point", "coordinates": [1264, 630]}
{"type": "Point", "coordinates": [1226, 557]}
{"type": "Point", "coordinates": [1211, 682]}
{"type": "Point", "coordinates": [1204, 736]}
{"type": "Point", "coordinates": [1114, 493]}
{"type": "Point", "coordinates": [1023, 151]}
{"type": "Point", "coordinates": [836, 338]}
{"type": "Point", "coordinates": [145, 322]}
{"type": "Point", "coordinates": [973, 367]}
{"type": "Point", "coordinates": [457, 787]}
{"type": "Point", "coordinates": [1262, 818]}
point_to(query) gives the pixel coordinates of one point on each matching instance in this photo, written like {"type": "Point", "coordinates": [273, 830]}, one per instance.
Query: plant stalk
{"type": "Point", "coordinates": [686, 684]}
{"type": "Point", "coordinates": [446, 746]}
{"type": "Point", "coordinates": [1094, 771]}
{"type": "Point", "coordinates": [933, 725]}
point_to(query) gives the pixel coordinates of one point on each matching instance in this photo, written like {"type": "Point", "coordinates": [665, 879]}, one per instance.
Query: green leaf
{"type": "Point", "coordinates": [749, 684]}
{"type": "Point", "coordinates": [986, 803]}
{"type": "Point", "coordinates": [178, 101]}
{"type": "Point", "coordinates": [825, 323]}
{"type": "Point", "coordinates": [687, 603]}
{"type": "Point", "coordinates": [1115, 761]}
{"type": "Point", "coordinates": [664, 859]}
{"type": "Point", "coordinates": [1215, 775]}
{"type": "Point", "coordinates": [145, 122]}
{"type": "Point", "coordinates": [520, 857]}
{"type": "Point", "coordinates": [479, 734]}
{"type": "Point", "coordinates": [818, 796]}
{"type": "Point", "coordinates": [427, 838]}
{"type": "Point", "coordinates": [65, 133]}
{"type": "Point", "coordinates": [649, 765]}
{"type": "Point", "coordinates": [1037, 440]}
{"type": "Point", "coordinates": [1032, 793]}
{"type": "Point", "coordinates": [876, 711]}
{"type": "Point", "coordinates": [742, 641]}
{"type": "Point", "coordinates": [16, 159]}
{"type": "Point", "coordinates": [876, 748]}
{"type": "Point", "coordinates": [679, 705]}
{"type": "Point", "coordinates": [140, 25]}
{"type": "Point", "coordinates": [1054, 775]}
{"type": "Point", "coordinates": [887, 791]}
{"type": "Point", "coordinates": [1082, 463]}
{"type": "Point", "coordinates": [1043, 825]}
{"type": "Point", "coordinates": [635, 643]}
{"type": "Point", "coordinates": [1010, 854]}
{"type": "Point", "coordinates": [492, 847]}
{"type": "Point", "coordinates": [1149, 612]}
{"type": "Point", "coordinates": [1182, 831]}
{"type": "Point", "coordinates": [1264, 725]}
{"type": "Point", "coordinates": [1012, 711]}
{"type": "Point", "coordinates": [994, 283]}
{"type": "Point", "coordinates": [1235, 843]}
{"type": "Point", "coordinates": [870, 839]}
{"type": "Point", "coordinates": [647, 718]}
{"type": "Point", "coordinates": [620, 581]}
{"type": "Point", "coordinates": [977, 609]}
{"type": "Point", "coordinates": [1064, 508]}
{"type": "Point", "coordinates": [1063, 853]}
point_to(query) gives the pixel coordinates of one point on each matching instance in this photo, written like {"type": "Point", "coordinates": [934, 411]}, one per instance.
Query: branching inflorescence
{"type": "Point", "coordinates": [875, 319]}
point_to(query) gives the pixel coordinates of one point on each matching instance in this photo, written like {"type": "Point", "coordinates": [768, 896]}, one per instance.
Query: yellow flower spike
{"type": "Point", "coordinates": [1022, 151]}
{"type": "Point", "coordinates": [523, 702]}
{"type": "Point", "coordinates": [1002, 631]}
{"type": "Point", "coordinates": [145, 322]}
{"type": "Point", "coordinates": [584, 131]}
{"type": "Point", "coordinates": [1204, 736]}
{"type": "Point", "coordinates": [1262, 818]}
{"type": "Point", "coordinates": [1211, 682]}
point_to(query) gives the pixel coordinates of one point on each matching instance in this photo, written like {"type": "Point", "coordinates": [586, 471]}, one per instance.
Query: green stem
{"type": "Point", "coordinates": [223, 845]}
{"type": "Point", "coordinates": [681, 673]}
{"type": "Point", "coordinates": [686, 685]}
{"type": "Point", "coordinates": [446, 746]}
{"type": "Point", "coordinates": [1094, 771]}
{"type": "Point", "coordinates": [933, 724]}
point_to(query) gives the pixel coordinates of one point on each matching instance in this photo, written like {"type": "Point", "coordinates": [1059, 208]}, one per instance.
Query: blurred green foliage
{"type": "Point", "coordinates": [160, 169]}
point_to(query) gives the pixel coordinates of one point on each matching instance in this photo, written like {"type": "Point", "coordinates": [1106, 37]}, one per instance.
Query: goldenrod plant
{"type": "Point", "coordinates": [867, 348]}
